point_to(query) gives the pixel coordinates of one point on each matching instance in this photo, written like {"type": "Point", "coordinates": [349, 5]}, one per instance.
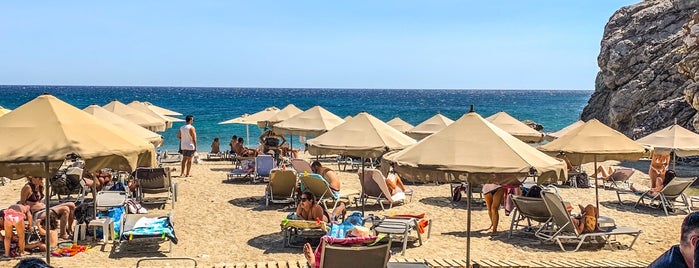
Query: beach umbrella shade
{"type": "Point", "coordinates": [160, 110]}
{"type": "Point", "coordinates": [3, 111]}
{"type": "Point", "coordinates": [311, 123]}
{"type": "Point", "coordinates": [147, 121]}
{"type": "Point", "coordinates": [675, 138]}
{"type": "Point", "coordinates": [515, 127]}
{"type": "Point", "coordinates": [594, 141]}
{"type": "Point", "coordinates": [38, 135]}
{"type": "Point", "coordinates": [283, 114]}
{"type": "Point", "coordinates": [140, 106]}
{"type": "Point", "coordinates": [474, 150]}
{"type": "Point", "coordinates": [252, 119]}
{"type": "Point", "coordinates": [122, 123]}
{"type": "Point", "coordinates": [563, 131]}
{"type": "Point", "coordinates": [347, 117]}
{"type": "Point", "coordinates": [430, 126]}
{"type": "Point", "coordinates": [400, 125]}
{"type": "Point", "coordinates": [362, 136]}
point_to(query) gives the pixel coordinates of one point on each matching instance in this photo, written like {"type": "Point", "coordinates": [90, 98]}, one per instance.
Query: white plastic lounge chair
{"type": "Point", "coordinates": [103, 201]}
{"type": "Point", "coordinates": [667, 198]}
{"type": "Point", "coordinates": [402, 227]}
{"type": "Point", "coordinates": [566, 231]}
{"type": "Point", "coordinates": [281, 187]}
{"type": "Point", "coordinates": [263, 167]}
{"type": "Point", "coordinates": [375, 188]}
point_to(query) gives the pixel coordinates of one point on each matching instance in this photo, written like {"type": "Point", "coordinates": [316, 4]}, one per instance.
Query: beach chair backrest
{"type": "Point", "coordinates": [301, 165]}
{"type": "Point", "coordinates": [374, 183]}
{"type": "Point", "coordinates": [357, 256]}
{"type": "Point", "coordinates": [532, 207]}
{"type": "Point", "coordinates": [315, 184]}
{"type": "Point", "coordinates": [676, 187]}
{"type": "Point", "coordinates": [282, 182]}
{"type": "Point", "coordinates": [560, 215]}
{"type": "Point", "coordinates": [264, 165]}
{"type": "Point", "coordinates": [153, 178]}
{"type": "Point", "coordinates": [622, 174]}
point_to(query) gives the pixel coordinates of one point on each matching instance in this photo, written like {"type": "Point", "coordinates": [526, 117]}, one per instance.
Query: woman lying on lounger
{"type": "Point", "coordinates": [659, 183]}
{"type": "Point", "coordinates": [310, 210]}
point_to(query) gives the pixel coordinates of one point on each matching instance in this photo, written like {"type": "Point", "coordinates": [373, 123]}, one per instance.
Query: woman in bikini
{"type": "Point", "coordinates": [493, 195]}
{"type": "Point", "coordinates": [310, 210]}
{"type": "Point", "coordinates": [32, 195]}
{"type": "Point", "coordinates": [14, 216]}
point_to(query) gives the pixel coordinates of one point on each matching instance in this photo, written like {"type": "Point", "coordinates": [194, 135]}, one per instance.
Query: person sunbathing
{"type": "Point", "coordinates": [659, 182]}
{"type": "Point", "coordinates": [586, 222]}
{"type": "Point", "coordinates": [309, 210]}
{"type": "Point", "coordinates": [394, 183]}
{"type": "Point", "coordinates": [241, 150]}
{"type": "Point", "coordinates": [329, 176]}
{"type": "Point", "coordinates": [14, 216]}
{"type": "Point", "coordinates": [32, 195]}
{"type": "Point", "coordinates": [215, 146]}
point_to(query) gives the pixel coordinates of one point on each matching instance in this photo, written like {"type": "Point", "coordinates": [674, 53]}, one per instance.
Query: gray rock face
{"type": "Point", "coordinates": [648, 64]}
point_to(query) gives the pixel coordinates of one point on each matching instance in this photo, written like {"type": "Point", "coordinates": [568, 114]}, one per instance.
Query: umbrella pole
{"type": "Point", "coordinates": [596, 186]}
{"type": "Point", "coordinates": [47, 197]}
{"type": "Point", "coordinates": [247, 131]}
{"type": "Point", "coordinates": [362, 181]}
{"type": "Point", "coordinates": [468, 226]}
{"type": "Point", "coordinates": [674, 161]}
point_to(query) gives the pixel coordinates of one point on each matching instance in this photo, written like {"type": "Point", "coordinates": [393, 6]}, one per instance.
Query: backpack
{"type": "Point", "coordinates": [582, 180]}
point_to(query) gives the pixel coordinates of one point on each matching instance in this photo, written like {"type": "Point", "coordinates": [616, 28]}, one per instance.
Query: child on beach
{"type": "Point", "coordinates": [53, 233]}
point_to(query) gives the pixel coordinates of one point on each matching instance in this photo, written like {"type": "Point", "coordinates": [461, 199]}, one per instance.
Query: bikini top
{"type": "Point", "coordinates": [35, 196]}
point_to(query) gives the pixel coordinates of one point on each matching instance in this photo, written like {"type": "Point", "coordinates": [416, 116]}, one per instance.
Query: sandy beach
{"type": "Point", "coordinates": [220, 223]}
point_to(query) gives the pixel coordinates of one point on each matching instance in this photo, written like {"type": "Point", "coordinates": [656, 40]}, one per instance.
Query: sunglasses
{"type": "Point", "coordinates": [304, 199]}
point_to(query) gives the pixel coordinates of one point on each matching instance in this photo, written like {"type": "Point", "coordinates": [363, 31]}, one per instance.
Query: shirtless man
{"type": "Point", "coordinates": [329, 176]}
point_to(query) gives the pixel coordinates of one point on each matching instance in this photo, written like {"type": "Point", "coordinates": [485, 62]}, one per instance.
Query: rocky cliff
{"type": "Point", "coordinates": [649, 65]}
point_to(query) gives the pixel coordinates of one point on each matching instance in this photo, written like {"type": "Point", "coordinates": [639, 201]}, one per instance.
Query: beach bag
{"type": "Point", "coordinates": [582, 180]}
{"type": "Point", "coordinates": [534, 191]}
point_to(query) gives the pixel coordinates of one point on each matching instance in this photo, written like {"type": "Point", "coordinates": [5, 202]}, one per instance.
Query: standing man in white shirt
{"type": "Point", "coordinates": [188, 144]}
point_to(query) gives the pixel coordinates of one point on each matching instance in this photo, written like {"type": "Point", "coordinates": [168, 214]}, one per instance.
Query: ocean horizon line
{"type": "Point", "coordinates": [297, 88]}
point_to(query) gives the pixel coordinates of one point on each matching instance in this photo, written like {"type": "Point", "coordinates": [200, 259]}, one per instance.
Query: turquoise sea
{"type": "Point", "coordinates": [554, 109]}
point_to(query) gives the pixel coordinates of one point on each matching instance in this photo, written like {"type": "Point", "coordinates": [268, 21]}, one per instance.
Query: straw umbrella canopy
{"type": "Point", "coordinates": [594, 141]}
{"type": "Point", "coordinates": [563, 131]}
{"type": "Point", "coordinates": [515, 127]}
{"type": "Point", "coordinates": [3, 111]}
{"type": "Point", "coordinates": [473, 150]}
{"type": "Point", "coordinates": [149, 122]}
{"type": "Point", "coordinates": [160, 110]}
{"type": "Point", "coordinates": [124, 124]}
{"type": "Point", "coordinates": [312, 122]}
{"type": "Point", "coordinates": [430, 126]}
{"type": "Point", "coordinates": [400, 125]}
{"type": "Point", "coordinates": [283, 114]}
{"type": "Point", "coordinates": [675, 138]}
{"type": "Point", "coordinates": [147, 110]}
{"type": "Point", "coordinates": [38, 135]}
{"type": "Point", "coordinates": [252, 119]}
{"type": "Point", "coordinates": [362, 136]}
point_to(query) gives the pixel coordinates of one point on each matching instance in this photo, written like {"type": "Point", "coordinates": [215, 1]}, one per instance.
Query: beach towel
{"type": "Point", "coordinates": [151, 227]}
{"type": "Point", "coordinates": [509, 205]}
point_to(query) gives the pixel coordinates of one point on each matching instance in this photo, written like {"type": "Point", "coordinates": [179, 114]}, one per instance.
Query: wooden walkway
{"type": "Point", "coordinates": [444, 263]}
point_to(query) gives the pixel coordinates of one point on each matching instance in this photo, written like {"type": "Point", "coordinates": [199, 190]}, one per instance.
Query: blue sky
{"type": "Point", "coordinates": [350, 44]}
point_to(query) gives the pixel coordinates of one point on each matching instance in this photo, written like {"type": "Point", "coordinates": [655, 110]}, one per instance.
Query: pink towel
{"type": "Point", "coordinates": [509, 205]}
{"type": "Point", "coordinates": [341, 241]}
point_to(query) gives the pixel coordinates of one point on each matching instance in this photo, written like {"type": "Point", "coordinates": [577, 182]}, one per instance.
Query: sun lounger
{"type": "Point", "coordinates": [281, 187]}
{"type": "Point", "coordinates": [668, 197]}
{"type": "Point", "coordinates": [155, 181]}
{"type": "Point", "coordinates": [375, 188]}
{"type": "Point", "coordinates": [144, 230]}
{"type": "Point", "coordinates": [530, 209]}
{"type": "Point", "coordinates": [299, 229]}
{"type": "Point", "coordinates": [301, 166]}
{"type": "Point", "coordinates": [320, 188]}
{"type": "Point", "coordinates": [351, 252]}
{"type": "Point", "coordinates": [402, 227]}
{"type": "Point", "coordinates": [566, 231]}
{"type": "Point", "coordinates": [619, 178]}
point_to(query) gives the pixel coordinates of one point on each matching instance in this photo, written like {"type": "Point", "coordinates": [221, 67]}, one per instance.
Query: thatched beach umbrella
{"type": "Point", "coordinates": [675, 138]}
{"type": "Point", "coordinates": [312, 123]}
{"type": "Point", "coordinates": [124, 124]}
{"type": "Point", "coordinates": [474, 150]}
{"type": "Point", "coordinates": [161, 110]}
{"type": "Point", "coordinates": [430, 126]}
{"type": "Point", "coordinates": [38, 135]}
{"type": "Point", "coordinates": [147, 110]}
{"type": "Point", "coordinates": [252, 119]}
{"type": "Point", "coordinates": [563, 131]}
{"type": "Point", "coordinates": [3, 111]}
{"type": "Point", "coordinates": [592, 142]}
{"type": "Point", "coordinates": [515, 127]}
{"type": "Point", "coordinates": [362, 136]}
{"type": "Point", "coordinates": [400, 125]}
{"type": "Point", "coordinates": [147, 121]}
